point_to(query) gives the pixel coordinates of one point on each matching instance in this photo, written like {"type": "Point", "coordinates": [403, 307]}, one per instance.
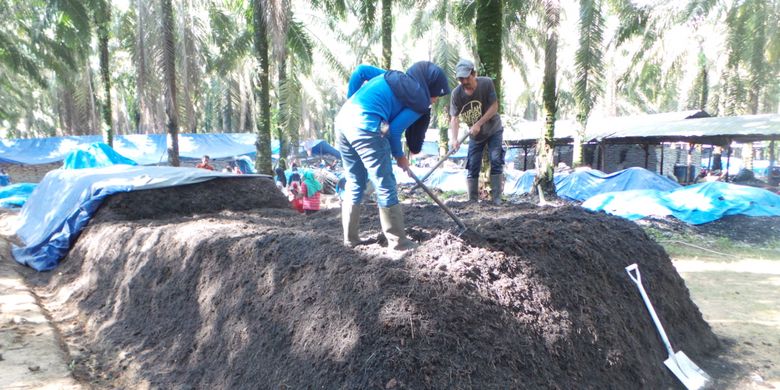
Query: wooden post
{"type": "Point", "coordinates": [647, 153]}
{"type": "Point", "coordinates": [602, 155]}
{"type": "Point", "coordinates": [661, 167]}
{"type": "Point", "coordinates": [525, 157]}
{"type": "Point", "coordinates": [728, 161]}
{"type": "Point", "coordinates": [688, 161]}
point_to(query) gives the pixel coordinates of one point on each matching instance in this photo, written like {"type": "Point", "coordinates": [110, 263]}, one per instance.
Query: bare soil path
{"type": "Point", "coordinates": [31, 356]}
{"type": "Point", "coordinates": [741, 302]}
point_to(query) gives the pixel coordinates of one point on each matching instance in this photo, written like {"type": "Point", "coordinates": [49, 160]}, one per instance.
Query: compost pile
{"type": "Point", "coordinates": [198, 287]}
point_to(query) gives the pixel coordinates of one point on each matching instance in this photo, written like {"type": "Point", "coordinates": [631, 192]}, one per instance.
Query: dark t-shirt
{"type": "Point", "coordinates": [469, 108]}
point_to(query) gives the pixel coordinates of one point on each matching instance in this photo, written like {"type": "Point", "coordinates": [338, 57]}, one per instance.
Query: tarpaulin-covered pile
{"type": "Point", "coordinates": [65, 200]}
{"type": "Point", "coordinates": [94, 155]}
{"type": "Point", "coordinates": [583, 184]}
{"type": "Point", "coordinates": [319, 147]}
{"type": "Point", "coordinates": [696, 204]}
{"type": "Point", "coordinates": [15, 195]}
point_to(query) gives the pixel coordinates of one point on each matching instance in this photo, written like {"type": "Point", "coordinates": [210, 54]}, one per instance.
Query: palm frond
{"type": "Point", "coordinates": [589, 60]}
{"type": "Point", "coordinates": [300, 45]}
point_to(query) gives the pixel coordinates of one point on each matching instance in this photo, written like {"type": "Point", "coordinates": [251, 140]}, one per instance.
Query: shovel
{"type": "Point", "coordinates": [681, 366]}
{"type": "Point", "coordinates": [436, 199]}
{"type": "Point", "coordinates": [441, 161]}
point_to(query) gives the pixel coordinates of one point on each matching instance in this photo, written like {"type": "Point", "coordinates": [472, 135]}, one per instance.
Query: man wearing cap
{"type": "Point", "coordinates": [474, 102]}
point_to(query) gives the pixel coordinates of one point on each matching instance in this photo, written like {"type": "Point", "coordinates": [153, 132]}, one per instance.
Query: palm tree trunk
{"type": "Point", "coordinates": [242, 101]}
{"type": "Point", "coordinates": [189, 114]}
{"type": "Point", "coordinates": [489, 25]}
{"type": "Point", "coordinates": [169, 71]}
{"type": "Point", "coordinates": [103, 21]}
{"type": "Point", "coordinates": [705, 88]}
{"type": "Point", "coordinates": [387, 33]}
{"type": "Point", "coordinates": [283, 109]}
{"type": "Point", "coordinates": [589, 65]}
{"type": "Point", "coordinates": [263, 143]}
{"type": "Point", "coordinates": [227, 110]}
{"type": "Point", "coordinates": [488, 32]}
{"type": "Point", "coordinates": [544, 156]}
{"type": "Point", "coordinates": [144, 114]}
{"type": "Point", "coordinates": [93, 111]}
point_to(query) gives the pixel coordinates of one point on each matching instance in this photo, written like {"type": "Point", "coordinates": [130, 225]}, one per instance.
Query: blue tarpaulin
{"type": "Point", "coordinates": [144, 149]}
{"type": "Point", "coordinates": [95, 155]}
{"type": "Point", "coordinates": [15, 195]}
{"type": "Point", "coordinates": [320, 147]}
{"type": "Point", "coordinates": [695, 204]}
{"type": "Point", "coordinates": [65, 200]}
{"type": "Point", "coordinates": [583, 184]}
{"type": "Point", "coordinates": [431, 148]}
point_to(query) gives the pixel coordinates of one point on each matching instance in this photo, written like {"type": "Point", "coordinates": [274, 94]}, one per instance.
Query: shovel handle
{"type": "Point", "coordinates": [633, 273]}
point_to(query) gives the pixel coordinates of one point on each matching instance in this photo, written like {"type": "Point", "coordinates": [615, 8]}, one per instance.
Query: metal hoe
{"type": "Point", "coordinates": [683, 368]}
{"type": "Point", "coordinates": [441, 161]}
{"type": "Point", "coordinates": [438, 201]}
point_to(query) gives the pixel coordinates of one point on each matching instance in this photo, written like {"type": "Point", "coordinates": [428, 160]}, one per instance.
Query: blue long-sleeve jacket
{"type": "Point", "coordinates": [360, 75]}
{"type": "Point", "coordinates": [372, 104]}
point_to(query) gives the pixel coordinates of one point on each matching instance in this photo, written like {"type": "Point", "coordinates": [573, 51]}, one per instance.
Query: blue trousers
{"type": "Point", "coordinates": [495, 150]}
{"type": "Point", "coordinates": [366, 156]}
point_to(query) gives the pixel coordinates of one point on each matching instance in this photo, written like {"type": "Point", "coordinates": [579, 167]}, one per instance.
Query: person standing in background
{"type": "Point", "coordinates": [474, 102]}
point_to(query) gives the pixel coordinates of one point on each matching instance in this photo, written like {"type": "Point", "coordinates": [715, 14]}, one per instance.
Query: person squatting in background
{"type": "Point", "coordinates": [205, 163]}
{"type": "Point", "coordinates": [474, 102]}
{"type": "Point", "coordinates": [310, 193]}
{"type": "Point", "coordinates": [380, 106]}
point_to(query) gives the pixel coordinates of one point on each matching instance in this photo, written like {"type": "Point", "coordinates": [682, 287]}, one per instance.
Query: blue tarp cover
{"type": "Point", "coordinates": [431, 148]}
{"type": "Point", "coordinates": [144, 149]}
{"type": "Point", "coordinates": [583, 184]}
{"type": "Point", "coordinates": [319, 147]}
{"type": "Point", "coordinates": [65, 200]}
{"type": "Point", "coordinates": [15, 195]}
{"type": "Point", "coordinates": [94, 155]}
{"type": "Point", "coordinates": [695, 204]}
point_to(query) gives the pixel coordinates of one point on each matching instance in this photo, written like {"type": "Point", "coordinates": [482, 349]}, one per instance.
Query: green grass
{"type": "Point", "coordinates": [684, 245]}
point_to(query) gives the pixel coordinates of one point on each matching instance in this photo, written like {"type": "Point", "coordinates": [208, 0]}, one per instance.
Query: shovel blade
{"type": "Point", "coordinates": [687, 371]}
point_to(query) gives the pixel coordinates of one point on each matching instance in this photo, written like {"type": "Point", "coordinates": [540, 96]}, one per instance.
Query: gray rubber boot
{"type": "Point", "coordinates": [496, 188]}
{"type": "Point", "coordinates": [473, 187]}
{"type": "Point", "coordinates": [350, 221]}
{"type": "Point", "coordinates": [392, 220]}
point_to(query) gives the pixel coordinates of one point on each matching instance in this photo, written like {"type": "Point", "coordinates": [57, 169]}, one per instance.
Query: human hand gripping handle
{"type": "Point", "coordinates": [403, 163]}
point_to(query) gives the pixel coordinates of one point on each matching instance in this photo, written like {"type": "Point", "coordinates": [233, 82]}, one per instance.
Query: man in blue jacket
{"type": "Point", "coordinates": [382, 105]}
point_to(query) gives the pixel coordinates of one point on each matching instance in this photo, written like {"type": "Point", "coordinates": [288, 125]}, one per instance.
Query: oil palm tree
{"type": "Point", "coordinates": [169, 74]}
{"type": "Point", "coordinates": [590, 68]}
{"type": "Point", "coordinates": [260, 35]}
{"type": "Point", "coordinates": [544, 153]}
{"type": "Point", "coordinates": [102, 20]}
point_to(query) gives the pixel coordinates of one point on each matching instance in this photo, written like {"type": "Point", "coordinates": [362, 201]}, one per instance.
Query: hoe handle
{"type": "Point", "coordinates": [442, 159]}
{"type": "Point", "coordinates": [436, 199]}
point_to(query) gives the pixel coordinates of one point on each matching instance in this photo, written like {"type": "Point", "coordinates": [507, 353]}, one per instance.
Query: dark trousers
{"type": "Point", "coordinates": [495, 150]}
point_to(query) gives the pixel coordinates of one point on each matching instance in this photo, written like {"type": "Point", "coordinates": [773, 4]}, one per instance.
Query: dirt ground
{"type": "Point", "coordinates": [188, 287]}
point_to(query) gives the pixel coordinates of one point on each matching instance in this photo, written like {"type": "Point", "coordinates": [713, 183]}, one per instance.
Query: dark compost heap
{"type": "Point", "coordinates": [218, 285]}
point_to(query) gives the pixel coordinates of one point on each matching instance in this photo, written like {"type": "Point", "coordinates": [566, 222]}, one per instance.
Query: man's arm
{"type": "Point", "coordinates": [454, 128]}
